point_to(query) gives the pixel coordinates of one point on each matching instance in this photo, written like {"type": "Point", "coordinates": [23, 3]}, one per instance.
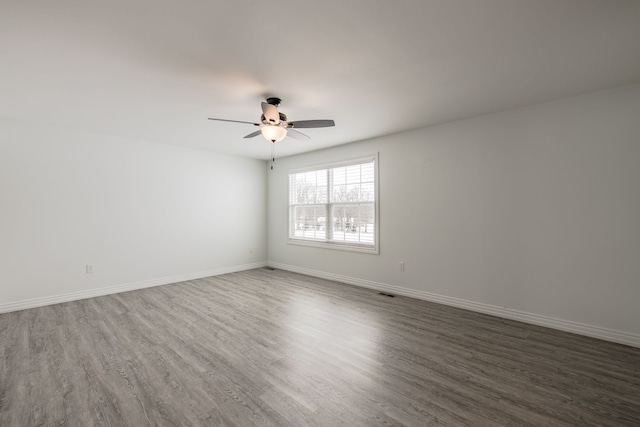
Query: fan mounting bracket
{"type": "Point", "coordinates": [274, 101]}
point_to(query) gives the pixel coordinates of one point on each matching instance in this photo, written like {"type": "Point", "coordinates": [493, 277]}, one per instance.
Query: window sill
{"type": "Point", "coordinates": [336, 245]}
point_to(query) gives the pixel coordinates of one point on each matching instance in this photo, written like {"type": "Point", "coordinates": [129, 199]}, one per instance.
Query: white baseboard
{"type": "Point", "coordinates": [522, 316]}
{"type": "Point", "coordinates": [90, 293]}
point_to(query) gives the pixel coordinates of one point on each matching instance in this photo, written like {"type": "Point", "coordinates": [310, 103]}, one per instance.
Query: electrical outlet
{"type": "Point", "coordinates": [401, 266]}
{"type": "Point", "coordinates": [89, 268]}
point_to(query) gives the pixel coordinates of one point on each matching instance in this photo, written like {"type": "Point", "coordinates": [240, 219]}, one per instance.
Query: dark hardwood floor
{"type": "Point", "coordinates": [266, 347]}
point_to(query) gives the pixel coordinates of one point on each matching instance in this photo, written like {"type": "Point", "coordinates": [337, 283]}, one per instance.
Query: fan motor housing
{"type": "Point", "coordinates": [283, 118]}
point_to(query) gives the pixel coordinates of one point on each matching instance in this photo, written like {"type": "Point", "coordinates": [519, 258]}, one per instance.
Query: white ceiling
{"type": "Point", "coordinates": [155, 70]}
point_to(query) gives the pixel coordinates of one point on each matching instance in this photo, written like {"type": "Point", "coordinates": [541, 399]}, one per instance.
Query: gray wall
{"type": "Point", "coordinates": [143, 213]}
{"type": "Point", "coordinates": [531, 214]}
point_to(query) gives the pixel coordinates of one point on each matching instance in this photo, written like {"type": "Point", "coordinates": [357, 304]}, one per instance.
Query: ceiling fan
{"type": "Point", "coordinates": [274, 125]}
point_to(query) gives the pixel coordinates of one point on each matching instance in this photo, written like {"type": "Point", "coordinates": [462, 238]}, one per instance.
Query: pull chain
{"type": "Point", "coordinates": [273, 154]}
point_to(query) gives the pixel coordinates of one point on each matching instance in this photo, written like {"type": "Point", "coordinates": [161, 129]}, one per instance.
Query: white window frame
{"type": "Point", "coordinates": [328, 243]}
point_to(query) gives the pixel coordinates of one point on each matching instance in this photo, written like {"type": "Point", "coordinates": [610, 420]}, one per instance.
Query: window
{"type": "Point", "coordinates": [335, 205]}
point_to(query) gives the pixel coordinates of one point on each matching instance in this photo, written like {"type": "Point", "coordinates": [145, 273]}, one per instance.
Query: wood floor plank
{"type": "Point", "coordinates": [273, 348]}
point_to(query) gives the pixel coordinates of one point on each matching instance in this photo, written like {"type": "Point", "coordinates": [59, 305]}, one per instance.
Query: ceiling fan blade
{"type": "Point", "coordinates": [271, 113]}
{"type": "Point", "coordinates": [235, 121]}
{"type": "Point", "coordinates": [252, 134]}
{"type": "Point", "coordinates": [295, 134]}
{"type": "Point", "coordinates": [312, 124]}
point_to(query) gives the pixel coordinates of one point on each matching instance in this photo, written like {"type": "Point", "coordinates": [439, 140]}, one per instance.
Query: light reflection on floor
{"type": "Point", "coordinates": [323, 326]}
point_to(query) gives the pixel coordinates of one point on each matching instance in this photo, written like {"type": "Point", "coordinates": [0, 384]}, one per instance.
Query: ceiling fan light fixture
{"type": "Point", "coordinates": [273, 133]}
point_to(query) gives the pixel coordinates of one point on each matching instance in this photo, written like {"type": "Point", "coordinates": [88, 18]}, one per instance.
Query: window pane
{"type": "Point", "coordinates": [367, 172]}
{"type": "Point", "coordinates": [354, 223]}
{"type": "Point", "coordinates": [308, 187]}
{"type": "Point", "coordinates": [367, 223]}
{"type": "Point", "coordinates": [339, 176]}
{"type": "Point", "coordinates": [310, 222]}
{"type": "Point", "coordinates": [353, 174]}
{"type": "Point", "coordinates": [367, 192]}
{"type": "Point", "coordinates": [339, 193]}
